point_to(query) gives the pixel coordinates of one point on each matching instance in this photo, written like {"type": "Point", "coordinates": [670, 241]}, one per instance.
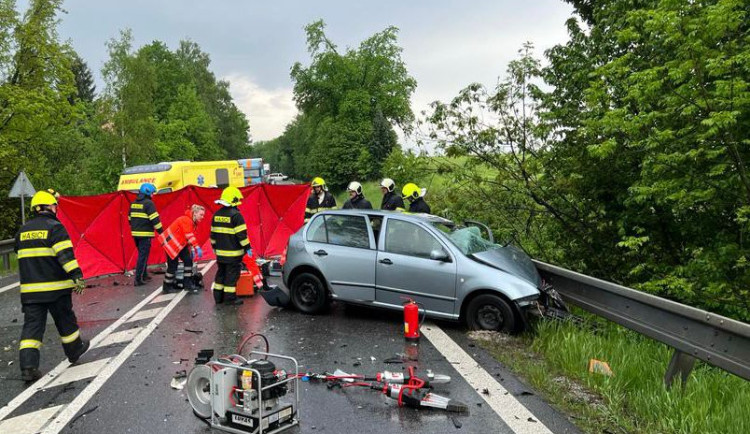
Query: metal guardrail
{"type": "Point", "coordinates": [6, 249]}
{"type": "Point", "coordinates": [692, 333]}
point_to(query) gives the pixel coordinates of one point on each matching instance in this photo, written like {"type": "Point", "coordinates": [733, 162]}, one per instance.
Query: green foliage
{"type": "Point", "coordinates": [349, 103]}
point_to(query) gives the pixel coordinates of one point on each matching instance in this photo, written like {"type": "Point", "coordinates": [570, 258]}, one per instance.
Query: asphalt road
{"type": "Point", "coordinates": [143, 339]}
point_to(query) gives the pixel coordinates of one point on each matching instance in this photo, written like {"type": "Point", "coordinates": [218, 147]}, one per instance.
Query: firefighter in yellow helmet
{"type": "Point", "coordinates": [48, 273]}
{"type": "Point", "coordinates": [320, 199]}
{"type": "Point", "coordinates": [413, 194]}
{"type": "Point", "coordinates": [230, 243]}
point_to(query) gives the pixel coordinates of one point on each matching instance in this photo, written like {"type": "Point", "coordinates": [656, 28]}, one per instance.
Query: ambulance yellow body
{"type": "Point", "coordinates": [173, 176]}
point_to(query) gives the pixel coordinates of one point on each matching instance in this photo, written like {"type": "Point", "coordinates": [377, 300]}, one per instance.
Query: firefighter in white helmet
{"type": "Point", "coordinates": [391, 200]}
{"type": "Point", "coordinates": [356, 198]}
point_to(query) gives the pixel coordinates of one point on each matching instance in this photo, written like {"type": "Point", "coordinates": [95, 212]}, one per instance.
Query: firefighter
{"type": "Point", "coordinates": [320, 199]}
{"type": "Point", "coordinates": [391, 200]}
{"type": "Point", "coordinates": [144, 220]}
{"type": "Point", "coordinates": [413, 194]}
{"type": "Point", "coordinates": [180, 243]}
{"type": "Point", "coordinates": [230, 243]}
{"type": "Point", "coordinates": [356, 197]}
{"type": "Point", "coordinates": [49, 273]}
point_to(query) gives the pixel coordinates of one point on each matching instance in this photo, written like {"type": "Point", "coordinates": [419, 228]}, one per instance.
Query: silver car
{"type": "Point", "coordinates": [382, 258]}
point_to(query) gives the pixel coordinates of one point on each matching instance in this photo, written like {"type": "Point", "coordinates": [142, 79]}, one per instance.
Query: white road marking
{"type": "Point", "coordinates": [163, 297]}
{"type": "Point", "coordinates": [28, 423]}
{"type": "Point", "coordinates": [120, 337]}
{"type": "Point", "coordinates": [513, 413]}
{"type": "Point", "coordinates": [78, 372]}
{"type": "Point", "coordinates": [31, 390]}
{"type": "Point", "coordinates": [145, 314]}
{"type": "Point", "coordinates": [11, 286]}
{"type": "Point", "coordinates": [74, 407]}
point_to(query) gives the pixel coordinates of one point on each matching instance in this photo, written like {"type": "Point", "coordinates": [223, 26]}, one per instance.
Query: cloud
{"type": "Point", "coordinates": [267, 110]}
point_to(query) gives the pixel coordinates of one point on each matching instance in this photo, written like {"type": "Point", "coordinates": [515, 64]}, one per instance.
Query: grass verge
{"type": "Point", "coordinates": [13, 266]}
{"type": "Point", "coordinates": [554, 360]}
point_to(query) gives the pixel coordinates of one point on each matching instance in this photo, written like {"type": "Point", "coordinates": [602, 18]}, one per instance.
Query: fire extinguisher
{"type": "Point", "coordinates": [411, 320]}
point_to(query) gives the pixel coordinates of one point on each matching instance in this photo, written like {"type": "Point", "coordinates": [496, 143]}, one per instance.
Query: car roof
{"type": "Point", "coordinates": [405, 215]}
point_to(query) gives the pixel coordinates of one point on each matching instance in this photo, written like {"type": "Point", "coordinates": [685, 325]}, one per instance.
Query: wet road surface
{"type": "Point", "coordinates": [123, 385]}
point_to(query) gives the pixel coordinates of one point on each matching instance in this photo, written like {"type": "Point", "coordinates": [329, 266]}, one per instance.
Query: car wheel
{"type": "Point", "coordinates": [490, 312]}
{"type": "Point", "coordinates": [308, 293]}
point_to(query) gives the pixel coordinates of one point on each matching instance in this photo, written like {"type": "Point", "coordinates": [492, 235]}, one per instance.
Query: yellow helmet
{"type": "Point", "coordinates": [232, 196]}
{"type": "Point", "coordinates": [318, 182]}
{"type": "Point", "coordinates": [411, 191]}
{"type": "Point", "coordinates": [42, 198]}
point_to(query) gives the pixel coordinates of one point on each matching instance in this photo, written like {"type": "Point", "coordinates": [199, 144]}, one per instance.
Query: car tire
{"type": "Point", "coordinates": [490, 312]}
{"type": "Point", "coordinates": [308, 293]}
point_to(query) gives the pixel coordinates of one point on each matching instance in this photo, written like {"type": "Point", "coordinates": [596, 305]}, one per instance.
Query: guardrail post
{"type": "Point", "coordinates": [6, 261]}
{"type": "Point", "coordinates": [682, 364]}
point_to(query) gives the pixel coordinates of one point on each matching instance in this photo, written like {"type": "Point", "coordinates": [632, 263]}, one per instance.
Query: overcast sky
{"type": "Point", "coordinates": [447, 44]}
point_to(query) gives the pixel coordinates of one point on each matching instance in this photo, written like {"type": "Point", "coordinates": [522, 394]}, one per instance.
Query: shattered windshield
{"type": "Point", "coordinates": [469, 240]}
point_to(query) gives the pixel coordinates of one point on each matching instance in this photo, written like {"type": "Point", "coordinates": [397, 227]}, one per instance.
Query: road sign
{"type": "Point", "coordinates": [22, 187]}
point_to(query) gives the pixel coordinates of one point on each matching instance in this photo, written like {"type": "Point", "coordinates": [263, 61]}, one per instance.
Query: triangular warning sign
{"type": "Point", "coordinates": [22, 186]}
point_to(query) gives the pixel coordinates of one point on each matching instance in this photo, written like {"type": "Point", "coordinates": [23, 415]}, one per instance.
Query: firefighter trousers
{"type": "Point", "coordinates": [143, 244]}
{"type": "Point", "coordinates": [225, 283]}
{"type": "Point", "coordinates": [34, 323]}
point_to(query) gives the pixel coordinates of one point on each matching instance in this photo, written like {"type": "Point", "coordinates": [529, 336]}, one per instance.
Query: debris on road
{"type": "Point", "coordinates": [600, 367]}
{"type": "Point", "coordinates": [179, 380]}
{"type": "Point", "coordinates": [457, 423]}
{"type": "Point", "coordinates": [75, 419]}
{"type": "Point", "coordinates": [197, 332]}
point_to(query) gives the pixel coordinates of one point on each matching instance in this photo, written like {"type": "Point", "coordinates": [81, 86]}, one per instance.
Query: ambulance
{"type": "Point", "coordinates": [168, 177]}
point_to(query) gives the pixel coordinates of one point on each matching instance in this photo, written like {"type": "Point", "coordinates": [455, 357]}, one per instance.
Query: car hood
{"type": "Point", "coordinates": [512, 260]}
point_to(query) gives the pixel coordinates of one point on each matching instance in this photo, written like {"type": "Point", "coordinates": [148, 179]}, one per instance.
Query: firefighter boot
{"type": "Point", "coordinates": [31, 374]}
{"type": "Point", "coordinates": [84, 347]}
{"type": "Point", "coordinates": [168, 287]}
{"type": "Point", "coordinates": [191, 286]}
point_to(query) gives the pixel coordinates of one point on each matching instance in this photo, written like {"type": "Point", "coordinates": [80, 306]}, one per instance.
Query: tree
{"type": "Point", "coordinates": [85, 87]}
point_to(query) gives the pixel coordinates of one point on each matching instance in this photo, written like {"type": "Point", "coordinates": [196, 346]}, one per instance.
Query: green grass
{"type": "Point", "coordinates": [554, 360]}
{"type": "Point", "coordinates": [13, 265]}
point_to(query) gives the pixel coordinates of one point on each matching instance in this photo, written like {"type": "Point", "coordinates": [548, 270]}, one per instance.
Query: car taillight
{"type": "Point", "coordinates": [282, 260]}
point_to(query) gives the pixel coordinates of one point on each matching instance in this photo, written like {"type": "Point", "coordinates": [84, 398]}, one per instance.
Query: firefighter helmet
{"type": "Point", "coordinates": [42, 198]}
{"type": "Point", "coordinates": [147, 188]}
{"type": "Point", "coordinates": [411, 191]}
{"type": "Point", "coordinates": [232, 196]}
{"type": "Point", "coordinates": [53, 192]}
{"type": "Point", "coordinates": [355, 187]}
{"type": "Point", "coordinates": [318, 182]}
{"type": "Point", "coordinates": [388, 184]}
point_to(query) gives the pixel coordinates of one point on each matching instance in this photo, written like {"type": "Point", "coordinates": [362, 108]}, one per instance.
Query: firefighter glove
{"type": "Point", "coordinates": [80, 286]}
{"type": "Point", "coordinates": [198, 252]}
{"type": "Point", "coordinates": [249, 253]}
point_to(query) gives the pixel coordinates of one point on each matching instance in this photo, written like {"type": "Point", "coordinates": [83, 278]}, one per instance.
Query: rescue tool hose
{"type": "Point", "coordinates": [253, 335]}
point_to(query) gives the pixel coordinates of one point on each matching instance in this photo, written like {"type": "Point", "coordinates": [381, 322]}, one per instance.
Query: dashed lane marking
{"type": "Point", "coordinates": [28, 423]}
{"type": "Point", "coordinates": [74, 407]}
{"type": "Point", "coordinates": [145, 314]}
{"type": "Point", "coordinates": [78, 372]}
{"type": "Point", "coordinates": [106, 366]}
{"type": "Point", "coordinates": [512, 412]}
{"type": "Point", "coordinates": [163, 297]}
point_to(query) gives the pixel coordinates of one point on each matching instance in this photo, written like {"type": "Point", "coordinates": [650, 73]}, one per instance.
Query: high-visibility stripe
{"type": "Point", "coordinates": [229, 231]}
{"type": "Point", "coordinates": [71, 337]}
{"type": "Point", "coordinates": [244, 242]}
{"type": "Point", "coordinates": [240, 228]}
{"type": "Point", "coordinates": [47, 286]}
{"type": "Point", "coordinates": [142, 215]}
{"type": "Point", "coordinates": [62, 245]}
{"type": "Point", "coordinates": [35, 253]}
{"type": "Point", "coordinates": [29, 343]}
{"type": "Point", "coordinates": [153, 216]}
{"type": "Point", "coordinates": [230, 289]}
{"type": "Point", "coordinates": [72, 265]}
{"type": "Point", "coordinates": [158, 226]}
{"type": "Point", "coordinates": [218, 286]}
{"type": "Point", "coordinates": [230, 253]}
{"type": "Point", "coordinates": [142, 233]}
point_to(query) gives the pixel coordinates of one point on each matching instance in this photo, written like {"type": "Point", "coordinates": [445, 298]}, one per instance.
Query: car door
{"type": "Point", "coordinates": [404, 268]}
{"type": "Point", "coordinates": [343, 249]}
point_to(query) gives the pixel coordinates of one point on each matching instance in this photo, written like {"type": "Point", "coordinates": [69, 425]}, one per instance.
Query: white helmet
{"type": "Point", "coordinates": [388, 184]}
{"type": "Point", "coordinates": [355, 187]}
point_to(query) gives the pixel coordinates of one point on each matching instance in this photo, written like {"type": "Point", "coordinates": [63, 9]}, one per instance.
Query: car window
{"type": "Point", "coordinates": [347, 230]}
{"type": "Point", "coordinates": [406, 238]}
{"type": "Point", "coordinates": [317, 230]}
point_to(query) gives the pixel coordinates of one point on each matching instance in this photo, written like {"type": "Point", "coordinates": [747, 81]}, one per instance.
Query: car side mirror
{"type": "Point", "coordinates": [439, 255]}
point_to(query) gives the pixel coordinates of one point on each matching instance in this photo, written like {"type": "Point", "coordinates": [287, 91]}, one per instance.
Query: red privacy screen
{"type": "Point", "coordinates": [99, 229]}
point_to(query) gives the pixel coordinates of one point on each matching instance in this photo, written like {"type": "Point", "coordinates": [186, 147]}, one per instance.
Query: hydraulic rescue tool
{"type": "Point", "coordinates": [245, 395]}
{"type": "Point", "coordinates": [407, 389]}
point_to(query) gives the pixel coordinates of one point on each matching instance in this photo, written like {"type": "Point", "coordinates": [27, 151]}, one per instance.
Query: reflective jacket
{"type": "Point", "coordinates": [392, 201]}
{"type": "Point", "coordinates": [144, 219]}
{"type": "Point", "coordinates": [419, 205]}
{"type": "Point", "coordinates": [179, 234]}
{"type": "Point", "coordinates": [46, 263]}
{"type": "Point", "coordinates": [359, 202]}
{"type": "Point", "coordinates": [229, 235]}
{"type": "Point", "coordinates": [314, 204]}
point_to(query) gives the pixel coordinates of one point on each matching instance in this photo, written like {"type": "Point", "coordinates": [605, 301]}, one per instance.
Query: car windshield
{"type": "Point", "coordinates": [469, 240]}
